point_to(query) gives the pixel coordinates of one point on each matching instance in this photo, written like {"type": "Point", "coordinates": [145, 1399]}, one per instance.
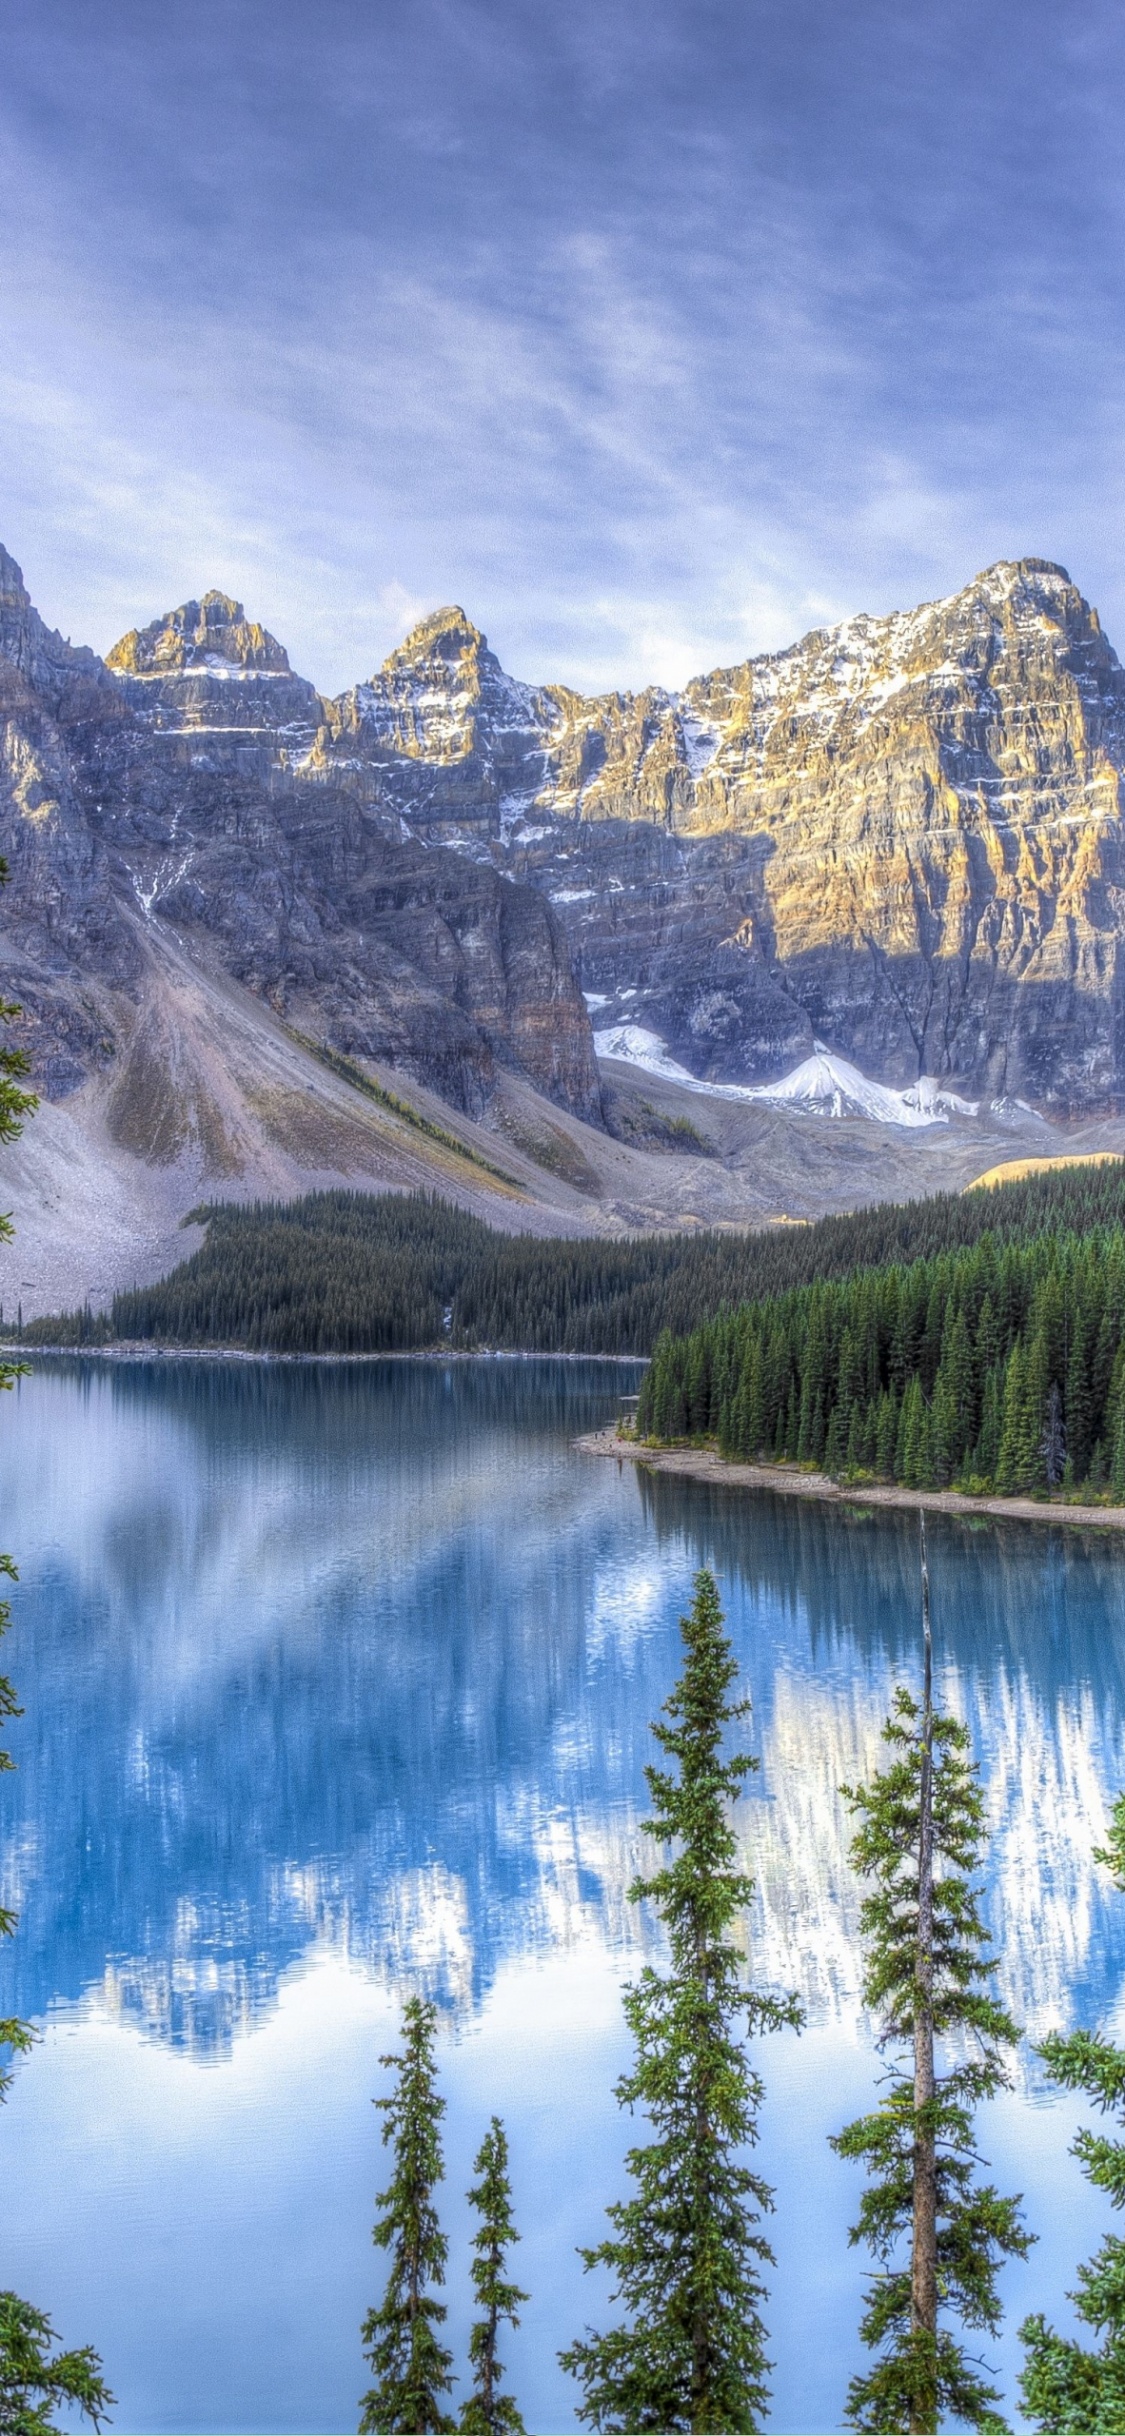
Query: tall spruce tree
{"type": "Point", "coordinates": [1067, 2389]}
{"type": "Point", "coordinates": [940, 2236]}
{"type": "Point", "coordinates": [487, 2411]}
{"type": "Point", "coordinates": [411, 2366]}
{"type": "Point", "coordinates": [686, 2253]}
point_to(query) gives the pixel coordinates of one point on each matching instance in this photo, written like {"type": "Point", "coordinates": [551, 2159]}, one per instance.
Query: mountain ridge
{"type": "Point", "coordinates": [932, 799]}
{"type": "Point", "coordinates": [900, 837]}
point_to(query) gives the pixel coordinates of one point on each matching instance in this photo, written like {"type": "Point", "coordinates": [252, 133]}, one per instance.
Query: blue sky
{"type": "Point", "coordinates": [653, 333]}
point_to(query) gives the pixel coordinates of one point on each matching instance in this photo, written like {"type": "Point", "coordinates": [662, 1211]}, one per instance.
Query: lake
{"type": "Point", "coordinates": [337, 1680]}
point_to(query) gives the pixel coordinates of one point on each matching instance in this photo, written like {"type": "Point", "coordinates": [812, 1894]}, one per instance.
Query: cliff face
{"type": "Point", "coordinates": [902, 836]}
{"type": "Point", "coordinates": [165, 787]}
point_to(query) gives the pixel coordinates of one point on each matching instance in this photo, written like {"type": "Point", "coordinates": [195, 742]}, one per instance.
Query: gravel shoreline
{"type": "Point", "coordinates": [699, 1463]}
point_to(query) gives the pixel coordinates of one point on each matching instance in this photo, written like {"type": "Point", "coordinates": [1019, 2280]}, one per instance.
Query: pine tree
{"type": "Point", "coordinates": [1054, 1439]}
{"type": "Point", "coordinates": [1067, 2389]}
{"type": "Point", "coordinates": [961, 1381]}
{"type": "Point", "coordinates": [926, 1977]}
{"type": "Point", "coordinates": [1079, 1410]}
{"type": "Point", "coordinates": [410, 2365]}
{"type": "Point", "coordinates": [686, 2254]}
{"type": "Point", "coordinates": [1117, 1438]}
{"type": "Point", "coordinates": [886, 1430]}
{"type": "Point", "coordinates": [33, 2383]}
{"type": "Point", "coordinates": [487, 2411]}
{"type": "Point", "coordinates": [914, 1432]}
{"type": "Point", "coordinates": [988, 1443]}
{"type": "Point", "coordinates": [944, 1428]}
{"type": "Point", "coordinates": [1012, 1459]}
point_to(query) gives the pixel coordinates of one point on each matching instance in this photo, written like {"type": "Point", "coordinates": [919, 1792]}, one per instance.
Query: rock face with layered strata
{"type": "Point", "coordinates": [165, 786]}
{"type": "Point", "coordinates": [902, 836]}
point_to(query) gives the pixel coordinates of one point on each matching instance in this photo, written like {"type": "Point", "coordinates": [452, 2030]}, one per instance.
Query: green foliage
{"type": "Point", "coordinates": [410, 2365]}
{"type": "Point", "coordinates": [15, 1103]}
{"type": "Point", "coordinates": [685, 2253]}
{"type": "Point", "coordinates": [1067, 2389]}
{"type": "Point", "coordinates": [487, 2412]}
{"type": "Point", "coordinates": [348, 1272]}
{"type": "Point", "coordinates": [33, 2383]}
{"type": "Point", "coordinates": [997, 1366]}
{"type": "Point", "coordinates": [923, 2372]}
{"type": "Point", "coordinates": [78, 1328]}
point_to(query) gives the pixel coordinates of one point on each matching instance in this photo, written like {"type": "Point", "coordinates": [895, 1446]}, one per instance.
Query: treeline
{"type": "Point", "coordinates": [997, 1368]}
{"type": "Point", "coordinates": [344, 1272]}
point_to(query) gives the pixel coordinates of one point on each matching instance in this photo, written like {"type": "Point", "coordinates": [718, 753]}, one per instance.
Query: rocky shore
{"type": "Point", "coordinates": [787, 1480]}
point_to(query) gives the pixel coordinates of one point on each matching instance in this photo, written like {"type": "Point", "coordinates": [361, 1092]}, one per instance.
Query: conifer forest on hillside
{"type": "Point", "coordinates": [342, 1272]}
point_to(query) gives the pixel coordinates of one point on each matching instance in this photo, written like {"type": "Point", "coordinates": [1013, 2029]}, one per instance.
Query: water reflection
{"type": "Point", "coordinates": [365, 1653]}
{"type": "Point", "coordinates": [338, 1681]}
{"type": "Point", "coordinates": [301, 1651]}
{"type": "Point", "coordinates": [1029, 1652]}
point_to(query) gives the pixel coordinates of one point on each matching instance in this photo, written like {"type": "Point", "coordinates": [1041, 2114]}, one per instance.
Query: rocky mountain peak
{"type": "Point", "coordinates": [441, 697]}
{"type": "Point", "coordinates": [54, 668]}
{"type": "Point", "coordinates": [1026, 595]}
{"type": "Point", "coordinates": [446, 634]}
{"type": "Point", "coordinates": [206, 634]}
{"type": "Point", "coordinates": [1008, 575]}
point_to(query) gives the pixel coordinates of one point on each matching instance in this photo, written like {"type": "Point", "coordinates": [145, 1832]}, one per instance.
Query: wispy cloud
{"type": "Point", "coordinates": [651, 333]}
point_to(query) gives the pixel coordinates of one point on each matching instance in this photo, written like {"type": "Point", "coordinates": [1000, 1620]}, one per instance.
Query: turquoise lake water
{"type": "Point", "coordinates": [337, 1683]}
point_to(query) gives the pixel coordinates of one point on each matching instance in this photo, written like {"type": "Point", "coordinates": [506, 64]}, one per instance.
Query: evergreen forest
{"type": "Point", "coordinates": [999, 1366]}
{"type": "Point", "coordinates": [342, 1272]}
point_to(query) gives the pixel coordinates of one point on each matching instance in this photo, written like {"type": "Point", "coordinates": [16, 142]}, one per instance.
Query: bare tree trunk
{"type": "Point", "coordinates": [923, 2259]}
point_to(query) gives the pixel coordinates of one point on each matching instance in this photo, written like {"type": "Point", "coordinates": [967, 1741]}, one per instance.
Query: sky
{"type": "Point", "coordinates": [653, 332]}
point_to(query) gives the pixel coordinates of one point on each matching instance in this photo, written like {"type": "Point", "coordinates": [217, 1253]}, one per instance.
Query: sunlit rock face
{"type": "Point", "coordinates": [901, 837]}
{"type": "Point", "coordinates": [902, 834]}
{"type": "Point", "coordinates": [207, 675]}
{"type": "Point", "coordinates": [442, 734]}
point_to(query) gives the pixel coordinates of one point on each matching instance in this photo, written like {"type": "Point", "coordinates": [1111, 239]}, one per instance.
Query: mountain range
{"type": "Point", "coordinates": [244, 920]}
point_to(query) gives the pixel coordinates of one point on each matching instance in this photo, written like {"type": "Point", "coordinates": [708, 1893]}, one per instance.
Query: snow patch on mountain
{"type": "Point", "coordinates": [822, 1085]}
{"type": "Point", "coordinates": [638, 1047]}
{"type": "Point", "coordinates": [831, 1086]}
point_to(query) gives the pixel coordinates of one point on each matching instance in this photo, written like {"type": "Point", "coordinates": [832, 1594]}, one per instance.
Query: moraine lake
{"type": "Point", "coordinates": [337, 1681]}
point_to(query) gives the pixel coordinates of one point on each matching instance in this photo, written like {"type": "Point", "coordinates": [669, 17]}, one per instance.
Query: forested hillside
{"type": "Point", "coordinates": [1001, 1366]}
{"type": "Point", "coordinates": [353, 1273]}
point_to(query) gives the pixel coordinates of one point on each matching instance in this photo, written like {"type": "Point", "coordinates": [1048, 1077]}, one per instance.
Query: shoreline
{"type": "Point", "coordinates": [140, 1351]}
{"type": "Point", "coordinates": [699, 1463]}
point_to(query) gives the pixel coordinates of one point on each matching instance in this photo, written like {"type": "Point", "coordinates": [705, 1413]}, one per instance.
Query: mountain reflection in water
{"type": "Point", "coordinates": [361, 1651]}
{"type": "Point", "coordinates": [351, 1666]}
